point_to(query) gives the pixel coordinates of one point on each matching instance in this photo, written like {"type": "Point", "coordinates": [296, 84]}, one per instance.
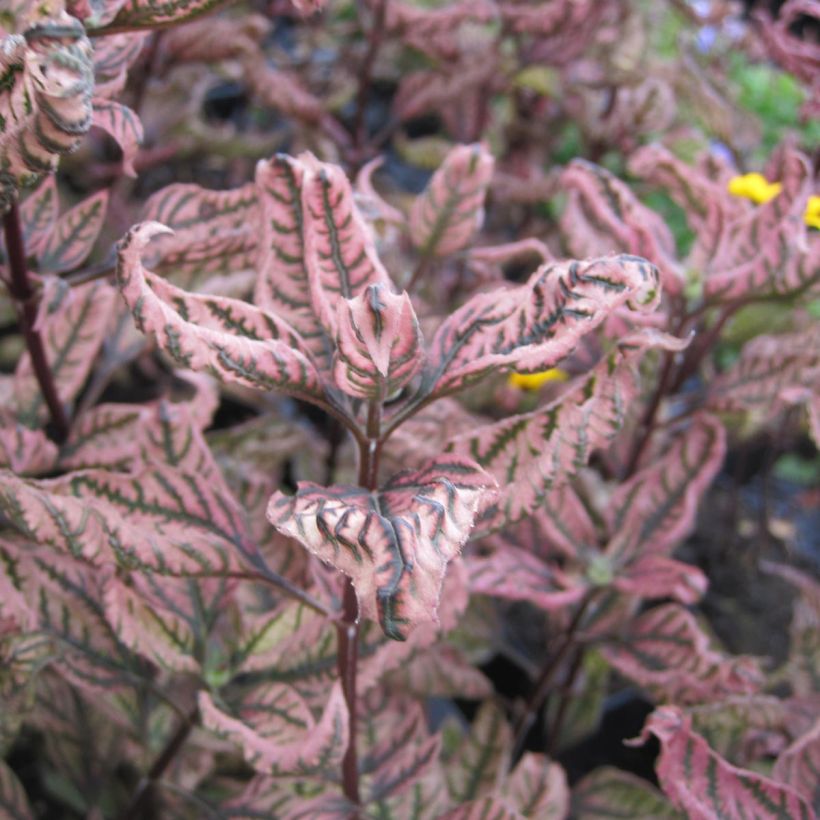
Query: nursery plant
{"type": "Point", "coordinates": [437, 373]}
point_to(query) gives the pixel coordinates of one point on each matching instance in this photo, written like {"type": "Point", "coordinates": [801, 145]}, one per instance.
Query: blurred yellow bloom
{"type": "Point", "coordinates": [755, 187]}
{"type": "Point", "coordinates": [532, 381]}
{"type": "Point", "coordinates": [812, 215]}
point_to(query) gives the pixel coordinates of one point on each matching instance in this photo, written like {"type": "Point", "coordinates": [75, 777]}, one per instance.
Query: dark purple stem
{"type": "Point", "coordinates": [26, 300]}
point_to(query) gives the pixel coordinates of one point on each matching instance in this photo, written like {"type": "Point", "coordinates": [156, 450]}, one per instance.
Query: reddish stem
{"type": "Point", "coordinates": [27, 303]}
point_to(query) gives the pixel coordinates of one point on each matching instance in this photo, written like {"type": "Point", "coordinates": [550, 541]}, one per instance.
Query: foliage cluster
{"type": "Point", "coordinates": [349, 347]}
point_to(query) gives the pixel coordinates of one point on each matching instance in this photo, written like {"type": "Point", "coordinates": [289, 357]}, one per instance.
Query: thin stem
{"type": "Point", "coordinates": [544, 682]}
{"type": "Point", "coordinates": [163, 761]}
{"type": "Point", "coordinates": [554, 733]}
{"type": "Point", "coordinates": [27, 303]}
{"type": "Point", "coordinates": [347, 663]}
{"type": "Point", "coordinates": [348, 627]}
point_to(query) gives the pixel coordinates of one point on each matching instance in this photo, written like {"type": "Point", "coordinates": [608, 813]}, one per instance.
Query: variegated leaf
{"type": "Point", "coordinates": [656, 576]}
{"type": "Point", "coordinates": [216, 233]}
{"type": "Point", "coordinates": [156, 633]}
{"type": "Point", "coordinates": [22, 450]}
{"type": "Point", "coordinates": [378, 344]}
{"type": "Point", "coordinates": [667, 652]}
{"type": "Point", "coordinates": [485, 808]}
{"type": "Point", "coordinates": [532, 453]}
{"type": "Point", "coordinates": [699, 782]}
{"type": "Point", "coordinates": [708, 207]}
{"type": "Point", "coordinates": [538, 788]}
{"type": "Point", "coordinates": [656, 508]}
{"type": "Point", "coordinates": [604, 216]}
{"type": "Point", "coordinates": [439, 671]}
{"type": "Point", "coordinates": [278, 733]}
{"type": "Point", "coordinates": [74, 235]}
{"type": "Point", "coordinates": [157, 520]}
{"type": "Point", "coordinates": [283, 286]}
{"type": "Point", "coordinates": [124, 127]}
{"type": "Point", "coordinates": [38, 214]}
{"type": "Point", "coordinates": [46, 78]}
{"type": "Point", "coordinates": [476, 767]}
{"type": "Point", "coordinates": [613, 794]}
{"type": "Point", "coordinates": [106, 436]}
{"type": "Point", "coordinates": [339, 251]}
{"type": "Point", "coordinates": [799, 766]}
{"type": "Point", "coordinates": [14, 803]}
{"type": "Point", "coordinates": [742, 728]}
{"type": "Point", "coordinates": [450, 211]}
{"type": "Point", "coordinates": [74, 323]}
{"type": "Point", "coordinates": [395, 543]}
{"type": "Point", "coordinates": [401, 753]}
{"type": "Point", "coordinates": [531, 327]}
{"type": "Point", "coordinates": [66, 597]}
{"type": "Point", "coordinates": [153, 14]}
{"type": "Point", "coordinates": [770, 371]}
{"type": "Point", "coordinates": [517, 575]}
{"type": "Point", "coordinates": [230, 339]}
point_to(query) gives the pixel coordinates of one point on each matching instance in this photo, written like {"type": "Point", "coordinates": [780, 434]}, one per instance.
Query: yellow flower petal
{"type": "Point", "coordinates": [532, 381]}
{"type": "Point", "coordinates": [754, 186]}
{"type": "Point", "coordinates": [812, 214]}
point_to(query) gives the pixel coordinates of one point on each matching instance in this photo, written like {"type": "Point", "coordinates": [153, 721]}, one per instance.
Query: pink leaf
{"type": "Point", "coordinates": [451, 209]}
{"type": "Point", "coordinates": [283, 285]}
{"type": "Point", "coordinates": [278, 733]}
{"type": "Point", "coordinates": [486, 808]}
{"type": "Point", "coordinates": [138, 14]}
{"type": "Point", "coordinates": [339, 250]}
{"type": "Point", "coordinates": [531, 327]}
{"type": "Point", "coordinates": [656, 508]}
{"type": "Point", "coordinates": [158, 520]}
{"type": "Point", "coordinates": [73, 323]}
{"type": "Point", "coordinates": [39, 214]}
{"type": "Point", "coordinates": [378, 347]}
{"type": "Point", "coordinates": [230, 339]}
{"type": "Point", "coordinates": [667, 652]}
{"type": "Point", "coordinates": [656, 576]}
{"type": "Point", "coordinates": [105, 436]}
{"type": "Point", "coordinates": [532, 453]}
{"type": "Point", "coordinates": [604, 216]}
{"type": "Point", "coordinates": [517, 575]}
{"type": "Point", "coordinates": [799, 766]}
{"type": "Point", "coordinates": [124, 126]}
{"type": "Point", "coordinates": [157, 633]}
{"type": "Point", "coordinates": [74, 235]}
{"type": "Point", "coordinates": [401, 759]}
{"type": "Point", "coordinates": [478, 764]}
{"type": "Point", "coordinates": [395, 543]}
{"type": "Point", "coordinates": [538, 788]}
{"type": "Point", "coordinates": [705, 786]}
{"type": "Point", "coordinates": [46, 106]}
{"type": "Point", "coordinates": [216, 232]}
{"type": "Point", "coordinates": [23, 450]}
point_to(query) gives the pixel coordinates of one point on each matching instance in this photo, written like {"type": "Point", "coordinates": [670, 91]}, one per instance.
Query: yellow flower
{"type": "Point", "coordinates": [755, 187]}
{"type": "Point", "coordinates": [532, 381]}
{"type": "Point", "coordinates": [812, 215]}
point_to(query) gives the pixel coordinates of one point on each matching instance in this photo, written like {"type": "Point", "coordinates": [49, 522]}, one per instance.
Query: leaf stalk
{"type": "Point", "coordinates": [27, 304]}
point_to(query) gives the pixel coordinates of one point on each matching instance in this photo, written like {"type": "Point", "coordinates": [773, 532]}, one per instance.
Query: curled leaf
{"type": "Point", "coordinates": [378, 344]}
{"type": "Point", "coordinates": [395, 543]}
{"type": "Point", "coordinates": [225, 337]}
{"type": "Point", "coordinates": [451, 209]}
